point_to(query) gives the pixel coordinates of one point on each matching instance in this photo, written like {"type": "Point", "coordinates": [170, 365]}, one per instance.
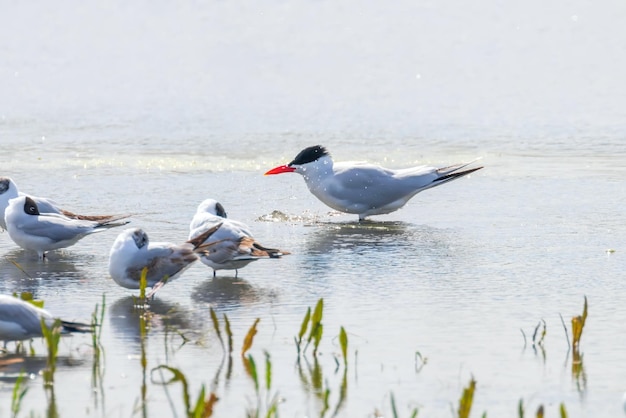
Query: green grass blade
{"type": "Point", "coordinates": [51, 336]}
{"type": "Point", "coordinates": [229, 334]}
{"type": "Point", "coordinates": [465, 403]}
{"type": "Point", "coordinates": [394, 410]}
{"type": "Point", "coordinates": [305, 324]}
{"type": "Point", "coordinates": [251, 369]}
{"type": "Point", "coordinates": [198, 410]}
{"type": "Point", "coordinates": [319, 330]}
{"type": "Point", "coordinates": [268, 371]}
{"type": "Point", "coordinates": [216, 326]}
{"type": "Point", "coordinates": [343, 342]}
{"type": "Point", "coordinates": [18, 394]}
{"type": "Point", "coordinates": [177, 376]}
{"type": "Point", "coordinates": [315, 333]}
{"type": "Point", "coordinates": [143, 283]}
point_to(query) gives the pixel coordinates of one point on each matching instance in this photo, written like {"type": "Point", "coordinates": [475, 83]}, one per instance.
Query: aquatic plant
{"type": "Point", "coordinates": [229, 334]}
{"type": "Point", "coordinates": [466, 400]}
{"type": "Point", "coordinates": [420, 361]}
{"type": "Point", "coordinates": [539, 342]}
{"type": "Point", "coordinates": [18, 394]}
{"type": "Point", "coordinates": [343, 343]}
{"type": "Point", "coordinates": [316, 328]}
{"type": "Point", "coordinates": [97, 369]}
{"type": "Point", "coordinates": [248, 362]}
{"type": "Point", "coordinates": [540, 412]}
{"type": "Point", "coordinates": [249, 339]}
{"type": "Point", "coordinates": [303, 328]}
{"type": "Point", "coordinates": [578, 323]}
{"type": "Point", "coordinates": [20, 268]}
{"type": "Point", "coordinates": [143, 284]}
{"type": "Point", "coordinates": [52, 336]}
{"type": "Point", "coordinates": [202, 407]}
{"type": "Point", "coordinates": [314, 382]}
{"type": "Point", "coordinates": [143, 332]}
{"type": "Point", "coordinates": [394, 409]}
{"type": "Point", "coordinates": [578, 370]}
{"type": "Point", "coordinates": [271, 405]}
{"type": "Point", "coordinates": [216, 326]}
{"type": "Point", "coordinates": [28, 297]}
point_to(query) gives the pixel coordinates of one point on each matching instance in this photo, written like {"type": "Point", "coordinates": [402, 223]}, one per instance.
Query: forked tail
{"type": "Point", "coordinates": [453, 172]}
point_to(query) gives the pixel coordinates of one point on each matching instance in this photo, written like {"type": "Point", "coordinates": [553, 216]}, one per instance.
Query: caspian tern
{"type": "Point", "coordinates": [42, 232]}
{"type": "Point", "coordinates": [234, 246]}
{"type": "Point", "coordinates": [21, 320]}
{"type": "Point", "coordinates": [365, 189]}
{"type": "Point", "coordinates": [132, 251]}
{"type": "Point", "coordinates": [9, 190]}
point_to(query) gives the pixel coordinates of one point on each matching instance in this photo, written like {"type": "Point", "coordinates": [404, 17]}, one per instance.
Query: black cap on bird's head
{"type": "Point", "coordinates": [307, 155]}
{"type": "Point", "coordinates": [310, 154]}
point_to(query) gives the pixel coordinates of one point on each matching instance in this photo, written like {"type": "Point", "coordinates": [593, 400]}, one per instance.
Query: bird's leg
{"type": "Point", "coordinates": [214, 274]}
{"type": "Point", "coordinates": [236, 273]}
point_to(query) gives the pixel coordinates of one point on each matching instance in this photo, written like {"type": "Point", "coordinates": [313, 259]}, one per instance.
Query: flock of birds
{"type": "Point", "coordinates": [41, 225]}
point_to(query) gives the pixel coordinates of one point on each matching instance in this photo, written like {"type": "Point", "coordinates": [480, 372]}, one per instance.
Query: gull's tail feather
{"type": "Point", "coordinates": [68, 327]}
{"type": "Point", "coordinates": [113, 221]}
{"type": "Point", "coordinates": [261, 251]}
{"type": "Point", "coordinates": [96, 218]}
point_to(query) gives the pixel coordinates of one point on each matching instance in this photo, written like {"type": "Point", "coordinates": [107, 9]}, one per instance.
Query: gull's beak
{"type": "Point", "coordinates": [280, 169]}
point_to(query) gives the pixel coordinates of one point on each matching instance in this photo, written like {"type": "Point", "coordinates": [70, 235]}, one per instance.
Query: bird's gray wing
{"type": "Point", "coordinates": [28, 317]}
{"type": "Point", "coordinates": [368, 185]}
{"type": "Point", "coordinates": [55, 227]}
{"type": "Point", "coordinates": [162, 262]}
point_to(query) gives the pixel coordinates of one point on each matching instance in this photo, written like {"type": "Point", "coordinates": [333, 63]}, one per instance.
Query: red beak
{"type": "Point", "coordinates": [280, 169]}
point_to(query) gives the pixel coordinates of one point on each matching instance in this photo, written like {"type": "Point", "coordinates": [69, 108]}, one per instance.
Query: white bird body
{"type": "Point", "coordinates": [132, 252]}
{"type": "Point", "coordinates": [9, 190]}
{"type": "Point", "coordinates": [20, 320]}
{"type": "Point", "coordinates": [42, 232]}
{"type": "Point", "coordinates": [362, 188]}
{"type": "Point", "coordinates": [233, 246]}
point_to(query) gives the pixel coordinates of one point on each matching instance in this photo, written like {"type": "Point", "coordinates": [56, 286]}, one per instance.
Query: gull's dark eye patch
{"type": "Point", "coordinates": [30, 207]}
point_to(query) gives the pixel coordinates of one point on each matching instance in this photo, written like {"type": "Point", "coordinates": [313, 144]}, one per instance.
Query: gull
{"type": "Point", "coordinates": [132, 251]}
{"type": "Point", "coordinates": [365, 189]}
{"type": "Point", "coordinates": [9, 190]}
{"type": "Point", "coordinates": [42, 232]}
{"type": "Point", "coordinates": [233, 246]}
{"type": "Point", "coordinates": [21, 320]}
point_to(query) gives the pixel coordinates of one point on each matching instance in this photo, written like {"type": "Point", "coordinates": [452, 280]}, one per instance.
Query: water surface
{"type": "Point", "coordinates": [150, 108]}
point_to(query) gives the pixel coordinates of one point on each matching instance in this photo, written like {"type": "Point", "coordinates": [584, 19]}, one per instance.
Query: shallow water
{"type": "Point", "coordinates": [149, 109]}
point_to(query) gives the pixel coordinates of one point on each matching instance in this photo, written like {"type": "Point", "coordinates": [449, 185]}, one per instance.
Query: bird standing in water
{"type": "Point", "coordinates": [365, 189]}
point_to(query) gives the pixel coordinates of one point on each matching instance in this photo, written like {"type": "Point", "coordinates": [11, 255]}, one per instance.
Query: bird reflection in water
{"type": "Point", "coordinates": [127, 318]}
{"type": "Point", "coordinates": [21, 272]}
{"type": "Point", "coordinates": [14, 364]}
{"type": "Point", "coordinates": [229, 294]}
